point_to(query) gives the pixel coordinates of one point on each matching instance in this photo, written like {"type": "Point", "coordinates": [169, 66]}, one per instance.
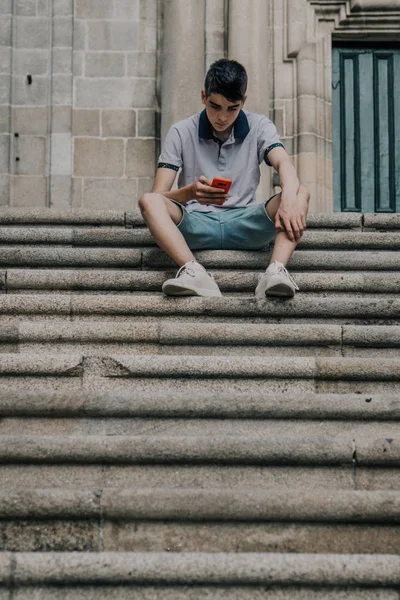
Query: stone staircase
{"type": "Point", "coordinates": [192, 448]}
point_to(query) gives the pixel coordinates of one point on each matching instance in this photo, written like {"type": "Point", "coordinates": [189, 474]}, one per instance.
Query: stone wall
{"type": "Point", "coordinates": [88, 87]}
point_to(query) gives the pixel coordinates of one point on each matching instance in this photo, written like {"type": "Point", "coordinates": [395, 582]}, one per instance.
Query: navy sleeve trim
{"type": "Point", "coordinates": [278, 145]}
{"type": "Point", "coordinates": [167, 166]}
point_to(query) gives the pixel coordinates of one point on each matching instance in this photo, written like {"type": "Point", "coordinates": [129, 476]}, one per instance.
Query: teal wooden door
{"type": "Point", "coordinates": [366, 129]}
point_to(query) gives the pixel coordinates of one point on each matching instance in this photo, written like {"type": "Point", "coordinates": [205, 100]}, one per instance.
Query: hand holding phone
{"type": "Point", "coordinates": [221, 183]}
{"type": "Point", "coordinates": [205, 193]}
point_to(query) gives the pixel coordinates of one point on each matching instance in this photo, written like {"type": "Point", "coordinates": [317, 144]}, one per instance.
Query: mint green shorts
{"type": "Point", "coordinates": [247, 228]}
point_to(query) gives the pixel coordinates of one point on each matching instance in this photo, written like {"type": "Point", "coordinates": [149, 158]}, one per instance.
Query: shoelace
{"type": "Point", "coordinates": [283, 270]}
{"type": "Point", "coordinates": [190, 271]}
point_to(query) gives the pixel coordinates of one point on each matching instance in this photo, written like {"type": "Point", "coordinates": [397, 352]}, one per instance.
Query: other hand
{"type": "Point", "coordinates": [290, 217]}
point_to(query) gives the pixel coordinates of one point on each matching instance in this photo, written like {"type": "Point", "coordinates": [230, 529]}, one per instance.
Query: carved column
{"type": "Point", "coordinates": [249, 43]}
{"type": "Point", "coordinates": [182, 60]}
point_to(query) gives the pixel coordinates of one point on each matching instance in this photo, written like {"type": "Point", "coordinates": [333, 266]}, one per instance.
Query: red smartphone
{"type": "Point", "coordinates": [222, 184]}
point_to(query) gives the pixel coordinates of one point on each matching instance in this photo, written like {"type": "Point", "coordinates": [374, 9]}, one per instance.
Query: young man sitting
{"type": "Point", "coordinates": [224, 141]}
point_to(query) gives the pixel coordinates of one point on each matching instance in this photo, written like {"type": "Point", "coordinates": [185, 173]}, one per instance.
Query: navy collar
{"type": "Point", "coordinates": [240, 127]}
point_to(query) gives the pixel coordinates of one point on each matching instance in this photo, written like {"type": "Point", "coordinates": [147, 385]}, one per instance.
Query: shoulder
{"type": "Point", "coordinates": [258, 122]}
{"type": "Point", "coordinates": [187, 125]}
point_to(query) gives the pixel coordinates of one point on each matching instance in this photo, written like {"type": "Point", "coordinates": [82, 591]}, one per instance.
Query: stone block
{"type": "Point", "coordinates": [32, 152]}
{"type": "Point", "coordinates": [35, 62]}
{"type": "Point", "coordinates": [30, 95]}
{"type": "Point", "coordinates": [140, 158]}
{"type": "Point", "coordinates": [63, 8]}
{"type": "Point", "coordinates": [77, 192]}
{"type": "Point", "coordinates": [113, 35]}
{"type": "Point", "coordinates": [62, 31]}
{"type": "Point", "coordinates": [4, 119]}
{"type": "Point", "coordinates": [5, 59]}
{"type": "Point", "coordinates": [148, 10]}
{"type": "Point", "coordinates": [114, 93]}
{"type": "Point", "coordinates": [5, 31]}
{"type": "Point", "coordinates": [4, 190]}
{"type": "Point", "coordinates": [121, 194]}
{"type": "Point", "coordinates": [146, 123]}
{"type": "Point", "coordinates": [118, 123]}
{"type": "Point", "coordinates": [61, 154]}
{"type": "Point", "coordinates": [43, 8]}
{"type": "Point", "coordinates": [148, 39]}
{"type": "Point", "coordinates": [4, 153]}
{"type": "Point", "coordinates": [80, 34]}
{"type": "Point", "coordinates": [62, 89]}
{"type": "Point", "coordinates": [98, 158]}
{"type": "Point", "coordinates": [104, 64]}
{"type": "Point", "coordinates": [141, 64]}
{"type": "Point", "coordinates": [60, 191]}
{"type": "Point", "coordinates": [28, 191]}
{"type": "Point", "coordinates": [78, 63]}
{"type": "Point", "coordinates": [32, 32]}
{"type": "Point", "coordinates": [6, 7]}
{"type": "Point", "coordinates": [85, 122]}
{"type": "Point", "coordinates": [87, 9]}
{"type": "Point", "coordinates": [61, 119]}
{"type": "Point", "coordinates": [33, 121]}
{"type": "Point", "coordinates": [25, 8]}
{"type": "Point", "coordinates": [5, 89]}
{"type": "Point", "coordinates": [145, 185]}
{"type": "Point", "coordinates": [128, 10]}
{"type": "Point", "coordinates": [62, 60]}
{"type": "Point", "coordinates": [50, 536]}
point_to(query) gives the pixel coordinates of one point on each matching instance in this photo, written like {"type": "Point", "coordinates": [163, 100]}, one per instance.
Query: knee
{"type": "Point", "coordinates": [149, 201]}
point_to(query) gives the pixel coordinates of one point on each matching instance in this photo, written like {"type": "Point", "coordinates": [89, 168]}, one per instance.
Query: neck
{"type": "Point", "coordinates": [222, 135]}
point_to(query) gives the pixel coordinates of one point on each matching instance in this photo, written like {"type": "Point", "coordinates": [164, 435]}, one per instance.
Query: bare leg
{"type": "Point", "coordinates": [284, 248]}
{"type": "Point", "coordinates": [162, 217]}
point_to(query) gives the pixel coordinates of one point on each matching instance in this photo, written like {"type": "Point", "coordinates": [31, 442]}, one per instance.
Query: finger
{"type": "Point", "coordinates": [303, 220]}
{"type": "Point", "coordinates": [288, 229]}
{"type": "Point", "coordinates": [203, 179]}
{"type": "Point", "coordinates": [278, 224]}
{"type": "Point", "coordinates": [300, 226]}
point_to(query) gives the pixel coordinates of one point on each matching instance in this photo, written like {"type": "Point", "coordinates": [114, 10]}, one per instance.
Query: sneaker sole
{"type": "Point", "coordinates": [280, 289]}
{"type": "Point", "coordinates": [174, 290]}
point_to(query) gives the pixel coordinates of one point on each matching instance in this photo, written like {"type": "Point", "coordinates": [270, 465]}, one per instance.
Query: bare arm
{"type": "Point", "coordinates": [290, 216]}
{"type": "Point", "coordinates": [199, 190]}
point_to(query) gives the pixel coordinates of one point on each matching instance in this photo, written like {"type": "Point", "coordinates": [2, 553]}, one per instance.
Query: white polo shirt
{"type": "Point", "coordinates": [192, 146]}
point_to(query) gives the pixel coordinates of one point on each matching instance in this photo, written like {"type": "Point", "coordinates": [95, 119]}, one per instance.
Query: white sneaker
{"type": "Point", "coordinates": [276, 281]}
{"type": "Point", "coordinates": [192, 280]}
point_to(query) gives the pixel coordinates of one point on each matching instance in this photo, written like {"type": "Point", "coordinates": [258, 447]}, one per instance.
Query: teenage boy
{"type": "Point", "coordinates": [224, 141]}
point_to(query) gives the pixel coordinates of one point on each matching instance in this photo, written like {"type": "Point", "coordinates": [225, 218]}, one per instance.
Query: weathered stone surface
{"type": "Point", "coordinates": [314, 260]}
{"type": "Point", "coordinates": [113, 36]}
{"type": "Point", "coordinates": [104, 64]}
{"type": "Point", "coordinates": [114, 93]}
{"type": "Point", "coordinates": [49, 536]}
{"type": "Point", "coordinates": [378, 451]}
{"type": "Point", "coordinates": [98, 192]}
{"type": "Point", "coordinates": [372, 337]}
{"type": "Point", "coordinates": [85, 9]}
{"type": "Point", "coordinates": [200, 592]}
{"type": "Point", "coordinates": [39, 503]}
{"type": "Point", "coordinates": [69, 257]}
{"type": "Point", "coordinates": [193, 567]}
{"type": "Point", "coordinates": [273, 450]}
{"type": "Point", "coordinates": [85, 122]}
{"type": "Point", "coordinates": [363, 407]}
{"type": "Point", "coordinates": [99, 158]}
{"type": "Point", "coordinates": [66, 365]}
{"type": "Point", "coordinates": [57, 217]}
{"type": "Point", "coordinates": [39, 235]}
{"type": "Point", "coordinates": [381, 221]}
{"type": "Point", "coordinates": [118, 123]}
{"type": "Point", "coordinates": [365, 369]}
{"type": "Point", "coordinates": [140, 158]}
{"type": "Point", "coordinates": [250, 537]}
{"type": "Point", "coordinates": [29, 191]}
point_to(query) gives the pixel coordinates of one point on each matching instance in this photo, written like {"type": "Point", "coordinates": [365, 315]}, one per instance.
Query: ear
{"type": "Point", "coordinates": [203, 96]}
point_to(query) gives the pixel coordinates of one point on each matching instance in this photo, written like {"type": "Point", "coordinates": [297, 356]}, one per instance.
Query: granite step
{"type": "Point", "coordinates": [232, 405]}
{"type": "Point", "coordinates": [154, 258]}
{"type": "Point", "coordinates": [140, 236]}
{"type": "Point", "coordinates": [119, 280]}
{"type": "Point", "coordinates": [199, 520]}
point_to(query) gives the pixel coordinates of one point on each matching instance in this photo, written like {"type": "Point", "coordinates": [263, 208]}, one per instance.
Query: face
{"type": "Point", "coordinates": [221, 112]}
